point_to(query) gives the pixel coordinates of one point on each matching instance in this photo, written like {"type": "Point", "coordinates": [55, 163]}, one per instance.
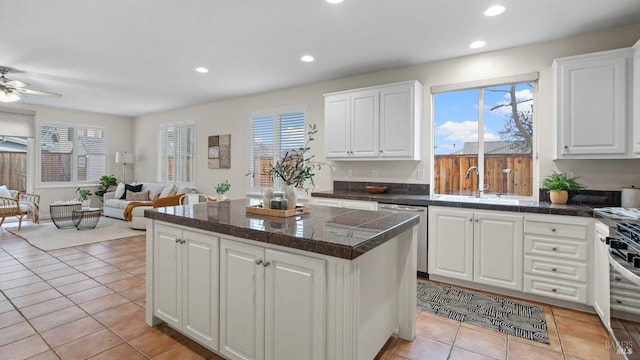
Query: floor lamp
{"type": "Point", "coordinates": [124, 158]}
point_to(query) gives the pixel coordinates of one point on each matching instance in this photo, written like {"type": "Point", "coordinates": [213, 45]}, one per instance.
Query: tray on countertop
{"type": "Point", "coordinates": [258, 209]}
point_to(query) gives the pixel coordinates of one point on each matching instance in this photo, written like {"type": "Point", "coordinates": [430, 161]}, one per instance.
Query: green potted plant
{"type": "Point", "coordinates": [83, 196]}
{"type": "Point", "coordinates": [106, 182]}
{"type": "Point", "coordinates": [558, 185]}
{"type": "Point", "coordinates": [296, 167]}
{"type": "Point", "coordinates": [222, 188]}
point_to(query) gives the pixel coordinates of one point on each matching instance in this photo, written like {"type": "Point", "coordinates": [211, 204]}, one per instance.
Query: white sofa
{"type": "Point", "coordinates": [114, 206]}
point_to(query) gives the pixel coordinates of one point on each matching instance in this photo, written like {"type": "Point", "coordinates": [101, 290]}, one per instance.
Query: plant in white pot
{"type": "Point", "coordinates": [559, 185]}
{"type": "Point", "coordinates": [222, 188]}
{"type": "Point", "coordinates": [295, 168]}
{"type": "Point", "coordinates": [83, 196]}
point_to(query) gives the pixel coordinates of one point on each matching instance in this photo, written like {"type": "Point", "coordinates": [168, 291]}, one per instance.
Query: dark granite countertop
{"type": "Point", "coordinates": [539, 207]}
{"type": "Point", "coordinates": [338, 232]}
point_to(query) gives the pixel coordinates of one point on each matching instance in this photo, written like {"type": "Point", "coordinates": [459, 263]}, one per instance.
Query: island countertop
{"type": "Point", "coordinates": [339, 232]}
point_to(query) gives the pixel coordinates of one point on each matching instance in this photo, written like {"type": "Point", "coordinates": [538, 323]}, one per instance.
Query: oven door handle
{"type": "Point", "coordinates": [624, 272]}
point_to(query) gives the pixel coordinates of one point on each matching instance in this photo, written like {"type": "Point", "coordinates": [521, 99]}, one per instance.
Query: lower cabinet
{"type": "Point", "coordinates": [186, 284]}
{"type": "Point", "coordinates": [601, 299]}
{"type": "Point", "coordinates": [272, 303]}
{"type": "Point", "coordinates": [557, 253]}
{"type": "Point", "coordinates": [480, 246]}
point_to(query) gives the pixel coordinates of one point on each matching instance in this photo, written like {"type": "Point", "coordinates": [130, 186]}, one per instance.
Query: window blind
{"type": "Point", "coordinates": [271, 135]}
{"type": "Point", "coordinates": [176, 153]}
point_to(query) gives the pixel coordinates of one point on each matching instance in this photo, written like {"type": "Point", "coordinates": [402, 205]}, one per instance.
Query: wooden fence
{"type": "Point", "coordinates": [13, 170]}
{"type": "Point", "coordinates": [450, 173]}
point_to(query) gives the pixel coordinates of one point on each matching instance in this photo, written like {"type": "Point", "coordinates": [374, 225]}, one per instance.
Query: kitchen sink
{"type": "Point", "coordinates": [477, 200]}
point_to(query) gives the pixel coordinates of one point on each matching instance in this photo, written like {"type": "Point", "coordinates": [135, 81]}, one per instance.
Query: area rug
{"type": "Point", "coordinates": [49, 237]}
{"type": "Point", "coordinates": [507, 316]}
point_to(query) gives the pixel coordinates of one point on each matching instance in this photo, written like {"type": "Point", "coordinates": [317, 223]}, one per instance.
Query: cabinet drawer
{"type": "Point", "coordinates": [556, 248]}
{"type": "Point", "coordinates": [571, 231]}
{"type": "Point", "coordinates": [556, 289]}
{"type": "Point", "coordinates": [555, 268]}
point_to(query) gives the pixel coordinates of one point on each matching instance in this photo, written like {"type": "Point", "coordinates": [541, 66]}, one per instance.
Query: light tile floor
{"type": "Point", "coordinates": [87, 302]}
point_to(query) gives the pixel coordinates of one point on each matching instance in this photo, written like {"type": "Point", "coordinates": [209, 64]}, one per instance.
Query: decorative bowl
{"type": "Point", "coordinates": [372, 189]}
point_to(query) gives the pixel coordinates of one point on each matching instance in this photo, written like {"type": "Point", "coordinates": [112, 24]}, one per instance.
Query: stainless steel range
{"type": "Point", "coordinates": [623, 252]}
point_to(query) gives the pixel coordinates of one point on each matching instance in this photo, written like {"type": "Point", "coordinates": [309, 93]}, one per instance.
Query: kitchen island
{"type": "Point", "coordinates": [331, 284]}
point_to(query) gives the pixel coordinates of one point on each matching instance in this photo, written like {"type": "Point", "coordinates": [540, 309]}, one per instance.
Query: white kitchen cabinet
{"type": "Point", "coordinates": [480, 246]}
{"type": "Point", "coordinates": [352, 124]}
{"type": "Point", "coordinates": [592, 105]}
{"type": "Point", "coordinates": [379, 122]}
{"type": "Point", "coordinates": [186, 285]}
{"type": "Point", "coordinates": [556, 257]}
{"type": "Point", "coordinates": [349, 204]}
{"type": "Point", "coordinates": [601, 274]}
{"type": "Point", "coordinates": [400, 112]}
{"type": "Point", "coordinates": [636, 99]}
{"type": "Point", "coordinates": [272, 303]}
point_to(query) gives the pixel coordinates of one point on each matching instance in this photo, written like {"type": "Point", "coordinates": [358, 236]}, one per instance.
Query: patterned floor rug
{"type": "Point", "coordinates": [503, 315]}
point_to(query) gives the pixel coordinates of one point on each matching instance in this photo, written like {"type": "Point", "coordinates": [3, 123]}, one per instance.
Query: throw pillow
{"type": "Point", "coordinates": [119, 191]}
{"type": "Point", "coordinates": [137, 196]}
{"type": "Point", "coordinates": [167, 191]}
{"type": "Point", "coordinates": [154, 190]}
{"type": "Point", "coordinates": [4, 192]}
{"type": "Point", "coordinates": [131, 188]}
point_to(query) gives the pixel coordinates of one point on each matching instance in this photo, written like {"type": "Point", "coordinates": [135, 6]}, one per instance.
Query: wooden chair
{"type": "Point", "coordinates": [21, 205]}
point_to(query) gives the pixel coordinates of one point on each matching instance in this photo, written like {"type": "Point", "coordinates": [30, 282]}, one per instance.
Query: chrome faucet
{"type": "Point", "coordinates": [468, 175]}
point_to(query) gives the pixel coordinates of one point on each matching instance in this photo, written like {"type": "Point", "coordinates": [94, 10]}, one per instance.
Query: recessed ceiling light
{"type": "Point", "coordinates": [334, 1]}
{"type": "Point", "coordinates": [477, 44]}
{"type": "Point", "coordinates": [494, 10]}
{"type": "Point", "coordinates": [202, 70]}
{"type": "Point", "coordinates": [307, 58]}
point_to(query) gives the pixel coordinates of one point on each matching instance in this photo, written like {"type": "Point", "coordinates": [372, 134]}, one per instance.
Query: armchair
{"type": "Point", "coordinates": [20, 205]}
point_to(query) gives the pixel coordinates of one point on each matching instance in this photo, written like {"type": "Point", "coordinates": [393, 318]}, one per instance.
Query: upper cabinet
{"type": "Point", "coordinates": [375, 123]}
{"type": "Point", "coordinates": [593, 106]}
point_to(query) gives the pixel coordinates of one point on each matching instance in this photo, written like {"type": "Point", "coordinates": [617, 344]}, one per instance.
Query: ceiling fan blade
{"type": "Point", "coordinates": [36, 92]}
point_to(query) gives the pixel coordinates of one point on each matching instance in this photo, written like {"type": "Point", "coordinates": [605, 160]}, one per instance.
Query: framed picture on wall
{"type": "Point", "coordinates": [219, 152]}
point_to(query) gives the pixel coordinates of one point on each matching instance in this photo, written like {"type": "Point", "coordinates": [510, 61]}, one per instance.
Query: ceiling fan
{"type": "Point", "coordinates": [13, 90]}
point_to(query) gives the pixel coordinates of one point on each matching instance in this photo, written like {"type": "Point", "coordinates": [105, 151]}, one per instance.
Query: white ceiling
{"type": "Point", "coordinates": [133, 57]}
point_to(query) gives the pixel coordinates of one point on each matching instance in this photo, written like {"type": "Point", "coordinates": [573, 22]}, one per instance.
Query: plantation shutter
{"type": "Point", "coordinates": [271, 135]}
{"type": "Point", "coordinates": [176, 152]}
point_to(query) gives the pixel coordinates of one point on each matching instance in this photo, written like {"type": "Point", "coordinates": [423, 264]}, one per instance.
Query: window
{"type": "Point", "coordinates": [71, 154]}
{"type": "Point", "coordinates": [488, 127]}
{"type": "Point", "coordinates": [176, 152]}
{"type": "Point", "coordinates": [271, 134]}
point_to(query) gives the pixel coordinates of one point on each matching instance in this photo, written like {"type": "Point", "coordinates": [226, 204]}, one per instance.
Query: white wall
{"type": "Point", "coordinates": [231, 117]}
{"type": "Point", "coordinates": [120, 138]}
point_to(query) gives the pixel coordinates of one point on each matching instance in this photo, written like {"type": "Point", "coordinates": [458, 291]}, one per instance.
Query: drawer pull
{"type": "Point", "coordinates": [470, 219]}
{"type": "Point", "coordinates": [554, 248]}
{"type": "Point", "coordinates": [618, 301]}
{"type": "Point", "coordinates": [554, 269]}
{"type": "Point", "coordinates": [553, 229]}
{"type": "Point", "coordinates": [554, 290]}
{"type": "Point", "coordinates": [258, 261]}
{"type": "Point", "coordinates": [265, 264]}
{"type": "Point", "coordinates": [617, 278]}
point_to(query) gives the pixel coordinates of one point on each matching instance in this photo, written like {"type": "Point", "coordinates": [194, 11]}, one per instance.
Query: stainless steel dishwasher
{"type": "Point", "coordinates": [422, 232]}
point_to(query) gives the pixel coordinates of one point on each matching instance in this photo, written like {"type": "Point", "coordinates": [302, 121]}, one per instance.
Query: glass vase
{"type": "Point", "coordinates": [291, 196]}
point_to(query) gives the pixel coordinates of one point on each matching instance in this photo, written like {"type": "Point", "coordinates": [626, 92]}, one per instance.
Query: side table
{"type": "Point", "coordinates": [61, 214]}
{"type": "Point", "coordinates": [85, 219]}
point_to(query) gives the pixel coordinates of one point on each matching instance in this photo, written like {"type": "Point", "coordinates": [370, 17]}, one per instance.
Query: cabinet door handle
{"type": "Point", "coordinates": [265, 264]}
{"type": "Point", "coordinates": [258, 261]}
{"type": "Point", "coordinates": [554, 290]}
{"type": "Point", "coordinates": [470, 219]}
{"type": "Point", "coordinates": [477, 220]}
{"type": "Point", "coordinates": [177, 241]}
{"type": "Point", "coordinates": [553, 229]}
{"type": "Point", "coordinates": [554, 269]}
{"type": "Point", "coordinates": [183, 241]}
{"type": "Point", "coordinates": [566, 146]}
{"type": "Point", "coordinates": [618, 301]}
{"type": "Point", "coordinates": [617, 278]}
{"type": "Point", "coordinates": [554, 248]}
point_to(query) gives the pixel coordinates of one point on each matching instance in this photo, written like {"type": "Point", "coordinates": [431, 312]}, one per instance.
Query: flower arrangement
{"type": "Point", "coordinates": [297, 166]}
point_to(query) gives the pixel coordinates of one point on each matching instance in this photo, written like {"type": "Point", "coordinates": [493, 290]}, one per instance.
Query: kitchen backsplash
{"type": "Point", "coordinates": [392, 188]}
{"type": "Point", "coordinates": [580, 197]}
